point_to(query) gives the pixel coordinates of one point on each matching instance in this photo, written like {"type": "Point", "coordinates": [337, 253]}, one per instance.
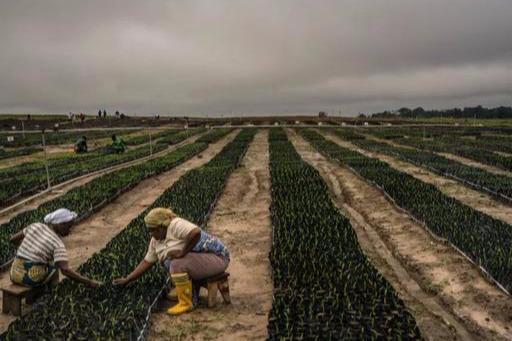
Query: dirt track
{"type": "Point", "coordinates": [241, 219]}
{"type": "Point", "coordinates": [95, 232]}
{"type": "Point", "coordinates": [447, 295]}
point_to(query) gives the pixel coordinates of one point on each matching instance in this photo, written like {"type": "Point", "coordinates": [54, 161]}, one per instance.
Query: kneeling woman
{"type": "Point", "coordinates": [41, 252]}
{"type": "Point", "coordinates": [188, 252]}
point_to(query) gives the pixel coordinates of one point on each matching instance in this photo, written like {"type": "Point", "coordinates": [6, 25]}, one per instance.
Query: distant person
{"type": "Point", "coordinates": [81, 145]}
{"type": "Point", "coordinates": [99, 113]}
{"type": "Point", "coordinates": [118, 144]}
{"type": "Point", "coordinates": [104, 113]}
{"type": "Point", "coordinates": [117, 114]}
{"type": "Point", "coordinates": [28, 117]}
{"type": "Point", "coordinates": [82, 117]}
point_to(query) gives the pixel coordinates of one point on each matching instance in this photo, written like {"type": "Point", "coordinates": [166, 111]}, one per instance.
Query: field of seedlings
{"type": "Point", "coordinates": [334, 232]}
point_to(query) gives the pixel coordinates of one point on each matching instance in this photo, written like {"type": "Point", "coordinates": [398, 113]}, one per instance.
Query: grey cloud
{"type": "Point", "coordinates": [259, 57]}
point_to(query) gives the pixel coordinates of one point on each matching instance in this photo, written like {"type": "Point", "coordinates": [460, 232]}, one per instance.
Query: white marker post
{"type": "Point", "coordinates": [23, 128]}
{"type": "Point", "coordinates": [150, 145]}
{"type": "Point", "coordinates": [46, 163]}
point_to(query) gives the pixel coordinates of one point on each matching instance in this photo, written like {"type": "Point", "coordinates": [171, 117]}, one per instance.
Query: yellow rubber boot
{"type": "Point", "coordinates": [184, 290]}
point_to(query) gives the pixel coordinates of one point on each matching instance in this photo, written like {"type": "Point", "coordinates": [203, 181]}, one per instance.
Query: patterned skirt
{"type": "Point", "coordinates": [30, 273]}
{"type": "Point", "coordinates": [210, 243]}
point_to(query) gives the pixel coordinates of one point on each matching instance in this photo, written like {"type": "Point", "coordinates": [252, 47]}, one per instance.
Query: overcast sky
{"type": "Point", "coordinates": [253, 57]}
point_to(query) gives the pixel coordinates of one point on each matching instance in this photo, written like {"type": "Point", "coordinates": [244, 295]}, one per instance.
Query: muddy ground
{"type": "Point", "coordinates": [95, 232]}
{"type": "Point", "coordinates": [448, 296]}
{"type": "Point", "coordinates": [241, 219]}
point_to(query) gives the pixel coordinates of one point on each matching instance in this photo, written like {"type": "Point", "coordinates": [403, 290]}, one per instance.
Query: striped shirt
{"type": "Point", "coordinates": [41, 244]}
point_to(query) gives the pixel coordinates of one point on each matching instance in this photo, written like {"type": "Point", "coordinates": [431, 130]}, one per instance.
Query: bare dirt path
{"type": "Point", "coordinates": [447, 295]}
{"type": "Point", "coordinates": [96, 231]}
{"type": "Point", "coordinates": [241, 219]}
{"type": "Point", "coordinates": [476, 199]}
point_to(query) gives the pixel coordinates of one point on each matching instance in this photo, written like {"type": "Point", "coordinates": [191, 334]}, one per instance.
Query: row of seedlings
{"type": "Point", "coordinates": [462, 149]}
{"type": "Point", "coordinates": [54, 161]}
{"type": "Point", "coordinates": [484, 240]}
{"type": "Point", "coordinates": [171, 137]}
{"type": "Point", "coordinates": [430, 131]}
{"type": "Point", "coordinates": [6, 154]}
{"type": "Point", "coordinates": [54, 138]}
{"type": "Point", "coordinates": [348, 134]}
{"type": "Point", "coordinates": [324, 285]}
{"type": "Point", "coordinates": [215, 135]}
{"type": "Point", "coordinates": [12, 188]}
{"type": "Point", "coordinates": [477, 178]}
{"type": "Point", "coordinates": [75, 312]}
{"type": "Point", "coordinates": [141, 139]}
{"type": "Point", "coordinates": [490, 143]}
{"type": "Point", "coordinates": [181, 136]}
{"type": "Point", "coordinates": [87, 198]}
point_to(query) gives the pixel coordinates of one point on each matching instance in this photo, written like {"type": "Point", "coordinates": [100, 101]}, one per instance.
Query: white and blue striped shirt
{"type": "Point", "coordinates": [41, 244]}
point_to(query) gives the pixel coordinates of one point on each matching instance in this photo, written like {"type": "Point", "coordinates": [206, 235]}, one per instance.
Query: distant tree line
{"type": "Point", "coordinates": [468, 112]}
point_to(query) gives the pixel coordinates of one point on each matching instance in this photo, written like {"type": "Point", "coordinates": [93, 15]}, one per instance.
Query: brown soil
{"type": "Point", "coordinates": [241, 219]}
{"type": "Point", "coordinates": [448, 296]}
{"type": "Point", "coordinates": [95, 232]}
{"type": "Point", "coordinates": [452, 188]}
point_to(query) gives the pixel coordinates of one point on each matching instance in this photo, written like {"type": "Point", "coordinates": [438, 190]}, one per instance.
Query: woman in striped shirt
{"type": "Point", "coordinates": [42, 253]}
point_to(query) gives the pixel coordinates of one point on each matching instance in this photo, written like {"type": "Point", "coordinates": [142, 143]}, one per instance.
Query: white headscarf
{"type": "Point", "coordinates": [59, 216]}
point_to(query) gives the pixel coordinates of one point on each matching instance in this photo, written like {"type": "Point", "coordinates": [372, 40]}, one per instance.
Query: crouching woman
{"type": "Point", "coordinates": [42, 253]}
{"type": "Point", "coordinates": [188, 253]}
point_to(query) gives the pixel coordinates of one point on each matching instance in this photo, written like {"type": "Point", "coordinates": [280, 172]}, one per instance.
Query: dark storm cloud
{"type": "Point", "coordinates": [263, 57]}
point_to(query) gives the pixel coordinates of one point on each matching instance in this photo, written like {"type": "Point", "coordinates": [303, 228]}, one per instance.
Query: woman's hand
{"type": "Point", "coordinates": [174, 254]}
{"type": "Point", "coordinates": [136, 273]}
{"type": "Point", "coordinates": [120, 281]}
{"type": "Point", "coordinates": [94, 284]}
